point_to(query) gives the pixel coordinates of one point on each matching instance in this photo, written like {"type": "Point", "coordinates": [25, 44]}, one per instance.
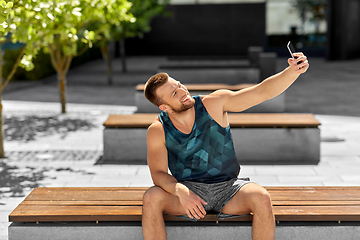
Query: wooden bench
{"type": "Point", "coordinates": [271, 138]}
{"type": "Point", "coordinates": [115, 213]}
{"type": "Point", "coordinates": [275, 105]}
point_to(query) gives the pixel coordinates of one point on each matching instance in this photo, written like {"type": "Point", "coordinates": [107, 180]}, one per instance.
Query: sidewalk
{"type": "Point", "coordinates": [65, 154]}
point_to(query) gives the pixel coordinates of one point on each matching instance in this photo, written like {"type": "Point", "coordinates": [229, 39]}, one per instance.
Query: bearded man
{"type": "Point", "coordinates": [191, 137]}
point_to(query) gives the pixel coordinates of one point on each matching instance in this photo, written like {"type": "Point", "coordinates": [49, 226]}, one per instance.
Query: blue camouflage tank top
{"type": "Point", "coordinates": [206, 154]}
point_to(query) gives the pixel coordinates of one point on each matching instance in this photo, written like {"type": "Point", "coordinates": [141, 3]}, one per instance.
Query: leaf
{"type": "Point", "coordinates": [26, 62]}
{"type": "Point", "coordinates": [51, 16]}
{"type": "Point", "coordinates": [76, 11]}
{"type": "Point", "coordinates": [9, 5]}
{"type": "Point", "coordinates": [4, 25]}
{"type": "Point", "coordinates": [91, 35]}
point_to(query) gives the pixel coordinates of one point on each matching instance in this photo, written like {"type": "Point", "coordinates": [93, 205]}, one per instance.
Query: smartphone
{"type": "Point", "coordinates": [291, 49]}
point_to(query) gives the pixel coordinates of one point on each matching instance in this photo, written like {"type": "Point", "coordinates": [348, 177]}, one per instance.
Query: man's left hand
{"type": "Point", "coordinates": [299, 64]}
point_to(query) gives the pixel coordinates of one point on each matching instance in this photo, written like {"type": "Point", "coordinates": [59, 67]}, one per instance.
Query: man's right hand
{"type": "Point", "coordinates": [192, 203]}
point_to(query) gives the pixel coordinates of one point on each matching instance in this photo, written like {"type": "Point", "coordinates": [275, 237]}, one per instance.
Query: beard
{"type": "Point", "coordinates": [183, 107]}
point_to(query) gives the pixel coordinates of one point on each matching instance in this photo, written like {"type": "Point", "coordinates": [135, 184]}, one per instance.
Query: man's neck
{"type": "Point", "coordinates": [183, 121]}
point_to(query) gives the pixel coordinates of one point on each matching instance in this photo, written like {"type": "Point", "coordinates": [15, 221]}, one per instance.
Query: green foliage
{"type": "Point", "coordinates": [58, 23]}
{"type": "Point", "coordinates": [63, 23]}
{"type": "Point", "coordinates": [144, 11]}
{"type": "Point", "coordinates": [16, 22]}
{"type": "Point", "coordinates": [138, 22]}
{"type": "Point", "coordinates": [62, 27]}
{"type": "Point", "coordinates": [5, 10]}
{"type": "Point", "coordinates": [112, 16]}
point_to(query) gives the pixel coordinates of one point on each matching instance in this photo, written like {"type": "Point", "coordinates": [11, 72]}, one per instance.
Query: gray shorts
{"type": "Point", "coordinates": [216, 195]}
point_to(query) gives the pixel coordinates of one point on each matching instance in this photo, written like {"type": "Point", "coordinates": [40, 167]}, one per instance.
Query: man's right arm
{"type": "Point", "coordinates": [157, 158]}
{"type": "Point", "coordinates": [158, 163]}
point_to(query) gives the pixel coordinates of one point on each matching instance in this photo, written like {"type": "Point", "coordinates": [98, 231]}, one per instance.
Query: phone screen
{"type": "Point", "coordinates": [291, 49]}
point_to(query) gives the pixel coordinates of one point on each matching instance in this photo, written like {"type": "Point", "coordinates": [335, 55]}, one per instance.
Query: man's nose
{"type": "Point", "coordinates": [183, 88]}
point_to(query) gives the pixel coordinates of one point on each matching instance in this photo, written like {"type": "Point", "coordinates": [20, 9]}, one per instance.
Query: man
{"type": "Point", "coordinates": [192, 138]}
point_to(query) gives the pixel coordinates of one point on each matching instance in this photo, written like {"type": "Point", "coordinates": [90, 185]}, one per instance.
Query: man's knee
{"type": "Point", "coordinates": [257, 197]}
{"type": "Point", "coordinates": [153, 197]}
{"type": "Point", "coordinates": [262, 200]}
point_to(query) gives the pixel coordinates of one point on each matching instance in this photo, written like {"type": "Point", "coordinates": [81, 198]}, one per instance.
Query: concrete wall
{"type": "Point", "coordinates": [252, 145]}
{"type": "Point", "coordinates": [187, 231]}
{"type": "Point", "coordinates": [343, 29]}
{"type": "Point", "coordinates": [204, 29]}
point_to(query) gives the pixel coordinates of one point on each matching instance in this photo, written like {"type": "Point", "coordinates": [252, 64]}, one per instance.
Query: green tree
{"type": "Point", "coordinates": [143, 12]}
{"type": "Point", "coordinates": [59, 26]}
{"type": "Point", "coordinates": [65, 29]}
{"type": "Point", "coordinates": [106, 28]}
{"type": "Point", "coordinates": [16, 27]}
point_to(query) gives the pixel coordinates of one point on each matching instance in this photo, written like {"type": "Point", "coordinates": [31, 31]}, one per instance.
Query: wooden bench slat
{"type": "Point", "coordinates": [97, 189]}
{"type": "Point", "coordinates": [315, 203]}
{"type": "Point", "coordinates": [139, 203]}
{"type": "Point", "coordinates": [48, 210]}
{"type": "Point", "coordinates": [141, 120]}
{"type": "Point", "coordinates": [84, 203]}
{"type": "Point", "coordinates": [86, 194]}
{"type": "Point", "coordinates": [123, 194]}
{"type": "Point", "coordinates": [318, 196]}
{"type": "Point", "coordinates": [238, 120]}
{"type": "Point", "coordinates": [143, 189]}
{"type": "Point", "coordinates": [34, 213]}
{"type": "Point", "coordinates": [317, 213]}
{"type": "Point", "coordinates": [312, 188]}
{"type": "Point", "coordinates": [272, 120]}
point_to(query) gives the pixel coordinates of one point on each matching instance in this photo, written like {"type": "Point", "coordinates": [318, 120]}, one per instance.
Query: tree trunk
{"type": "Point", "coordinates": [123, 55]}
{"type": "Point", "coordinates": [106, 56]}
{"type": "Point", "coordinates": [2, 152]}
{"type": "Point", "coordinates": [62, 87]}
{"type": "Point", "coordinates": [61, 64]}
{"type": "Point", "coordinates": [3, 84]}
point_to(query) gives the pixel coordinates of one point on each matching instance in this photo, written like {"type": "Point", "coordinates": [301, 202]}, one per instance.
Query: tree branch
{"type": "Point", "coordinates": [11, 74]}
{"type": "Point", "coordinates": [68, 62]}
{"type": "Point", "coordinates": [82, 51]}
{"type": "Point", "coordinates": [5, 41]}
{"type": "Point", "coordinates": [52, 58]}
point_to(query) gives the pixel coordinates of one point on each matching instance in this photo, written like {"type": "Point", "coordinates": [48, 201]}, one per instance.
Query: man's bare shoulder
{"type": "Point", "coordinates": [155, 132]}
{"type": "Point", "coordinates": [216, 98]}
{"type": "Point", "coordinates": [156, 126]}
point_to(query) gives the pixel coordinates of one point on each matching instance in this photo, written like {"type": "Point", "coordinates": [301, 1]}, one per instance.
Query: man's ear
{"type": "Point", "coordinates": [163, 107]}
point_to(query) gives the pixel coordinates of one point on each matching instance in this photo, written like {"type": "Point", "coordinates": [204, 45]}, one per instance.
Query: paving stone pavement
{"type": "Point", "coordinates": [61, 157]}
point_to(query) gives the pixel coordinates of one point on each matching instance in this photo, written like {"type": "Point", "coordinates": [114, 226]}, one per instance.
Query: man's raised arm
{"type": "Point", "coordinates": [269, 88]}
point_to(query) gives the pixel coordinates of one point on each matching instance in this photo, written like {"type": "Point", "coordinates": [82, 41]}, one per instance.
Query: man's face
{"type": "Point", "coordinates": [175, 97]}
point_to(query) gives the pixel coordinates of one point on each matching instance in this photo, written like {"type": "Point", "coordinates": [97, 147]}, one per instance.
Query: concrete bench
{"type": "Point", "coordinates": [275, 105]}
{"type": "Point", "coordinates": [263, 138]}
{"type": "Point", "coordinates": [256, 68]}
{"type": "Point", "coordinates": [201, 71]}
{"type": "Point", "coordinates": [310, 213]}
